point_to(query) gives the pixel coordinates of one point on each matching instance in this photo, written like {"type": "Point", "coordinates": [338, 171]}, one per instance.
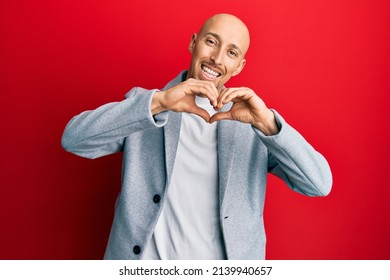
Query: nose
{"type": "Point", "coordinates": [216, 56]}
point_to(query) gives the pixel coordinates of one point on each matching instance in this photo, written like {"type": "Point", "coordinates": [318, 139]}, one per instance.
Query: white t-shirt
{"type": "Point", "coordinates": [189, 224]}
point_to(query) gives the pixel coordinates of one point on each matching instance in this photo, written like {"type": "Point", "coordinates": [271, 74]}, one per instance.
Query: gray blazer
{"type": "Point", "coordinates": [149, 143]}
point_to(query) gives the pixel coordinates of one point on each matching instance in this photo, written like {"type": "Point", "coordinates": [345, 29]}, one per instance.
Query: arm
{"type": "Point", "coordinates": [290, 157]}
{"type": "Point", "coordinates": [102, 131]}
{"type": "Point", "coordinates": [295, 161]}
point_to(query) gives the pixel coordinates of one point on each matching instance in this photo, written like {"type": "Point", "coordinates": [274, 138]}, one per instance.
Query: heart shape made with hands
{"type": "Point", "coordinates": [213, 114]}
{"type": "Point", "coordinates": [247, 106]}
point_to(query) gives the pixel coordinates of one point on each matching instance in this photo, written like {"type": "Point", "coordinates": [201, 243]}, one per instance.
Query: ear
{"type": "Point", "coordinates": [239, 67]}
{"type": "Point", "coordinates": [191, 47]}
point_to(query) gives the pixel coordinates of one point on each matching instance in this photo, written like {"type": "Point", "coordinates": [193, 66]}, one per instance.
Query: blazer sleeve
{"type": "Point", "coordinates": [295, 161]}
{"type": "Point", "coordinates": [102, 131]}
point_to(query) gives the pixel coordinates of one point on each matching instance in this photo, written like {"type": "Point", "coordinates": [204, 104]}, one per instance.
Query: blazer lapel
{"type": "Point", "coordinates": [226, 149]}
{"type": "Point", "coordinates": [171, 140]}
{"type": "Point", "coordinates": [172, 132]}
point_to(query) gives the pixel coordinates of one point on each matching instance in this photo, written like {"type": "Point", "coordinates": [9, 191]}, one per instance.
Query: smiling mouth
{"type": "Point", "coordinates": [208, 73]}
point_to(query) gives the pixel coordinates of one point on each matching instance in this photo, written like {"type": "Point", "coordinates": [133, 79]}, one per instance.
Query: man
{"type": "Point", "coordinates": [196, 156]}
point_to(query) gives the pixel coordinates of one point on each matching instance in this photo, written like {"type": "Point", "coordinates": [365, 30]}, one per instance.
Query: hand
{"type": "Point", "coordinates": [248, 108]}
{"type": "Point", "coordinates": [181, 98]}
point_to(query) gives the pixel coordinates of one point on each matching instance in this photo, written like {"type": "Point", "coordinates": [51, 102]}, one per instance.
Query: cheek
{"type": "Point", "coordinates": [197, 56]}
{"type": "Point", "coordinates": [232, 67]}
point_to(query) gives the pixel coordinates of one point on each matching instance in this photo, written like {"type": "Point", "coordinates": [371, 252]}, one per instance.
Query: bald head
{"type": "Point", "coordinates": [234, 27]}
{"type": "Point", "coordinates": [218, 50]}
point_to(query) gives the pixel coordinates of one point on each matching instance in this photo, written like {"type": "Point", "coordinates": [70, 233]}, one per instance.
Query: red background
{"type": "Point", "coordinates": [322, 64]}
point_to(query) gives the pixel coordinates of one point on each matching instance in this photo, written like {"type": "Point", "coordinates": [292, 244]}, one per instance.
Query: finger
{"type": "Point", "coordinates": [222, 97]}
{"type": "Point", "coordinates": [204, 89]}
{"type": "Point", "coordinates": [236, 94]}
{"type": "Point", "coordinates": [220, 116]}
{"type": "Point", "coordinates": [210, 86]}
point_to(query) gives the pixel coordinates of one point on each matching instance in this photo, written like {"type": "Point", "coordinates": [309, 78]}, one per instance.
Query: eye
{"type": "Point", "coordinates": [233, 53]}
{"type": "Point", "coordinates": [211, 42]}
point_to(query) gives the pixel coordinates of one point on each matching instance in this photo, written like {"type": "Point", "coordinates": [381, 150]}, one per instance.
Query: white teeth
{"type": "Point", "coordinates": [211, 72]}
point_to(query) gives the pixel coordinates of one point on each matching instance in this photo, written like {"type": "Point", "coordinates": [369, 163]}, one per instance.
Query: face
{"type": "Point", "coordinates": [218, 50]}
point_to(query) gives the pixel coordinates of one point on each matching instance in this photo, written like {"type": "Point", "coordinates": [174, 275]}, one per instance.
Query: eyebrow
{"type": "Point", "coordinates": [234, 46]}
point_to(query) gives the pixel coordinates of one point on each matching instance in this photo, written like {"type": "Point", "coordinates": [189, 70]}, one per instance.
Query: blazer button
{"type": "Point", "coordinates": [156, 198]}
{"type": "Point", "coordinates": [136, 249]}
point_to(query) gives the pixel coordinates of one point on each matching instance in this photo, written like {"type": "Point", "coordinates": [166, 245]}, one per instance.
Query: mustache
{"type": "Point", "coordinates": [213, 66]}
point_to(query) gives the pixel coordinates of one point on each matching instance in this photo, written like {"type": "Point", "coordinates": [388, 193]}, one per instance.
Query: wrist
{"type": "Point", "coordinates": [268, 125]}
{"type": "Point", "coordinates": [156, 105]}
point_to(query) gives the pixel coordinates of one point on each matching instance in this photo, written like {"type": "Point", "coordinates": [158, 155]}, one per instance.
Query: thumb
{"type": "Point", "coordinates": [220, 116]}
{"type": "Point", "coordinates": [201, 113]}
